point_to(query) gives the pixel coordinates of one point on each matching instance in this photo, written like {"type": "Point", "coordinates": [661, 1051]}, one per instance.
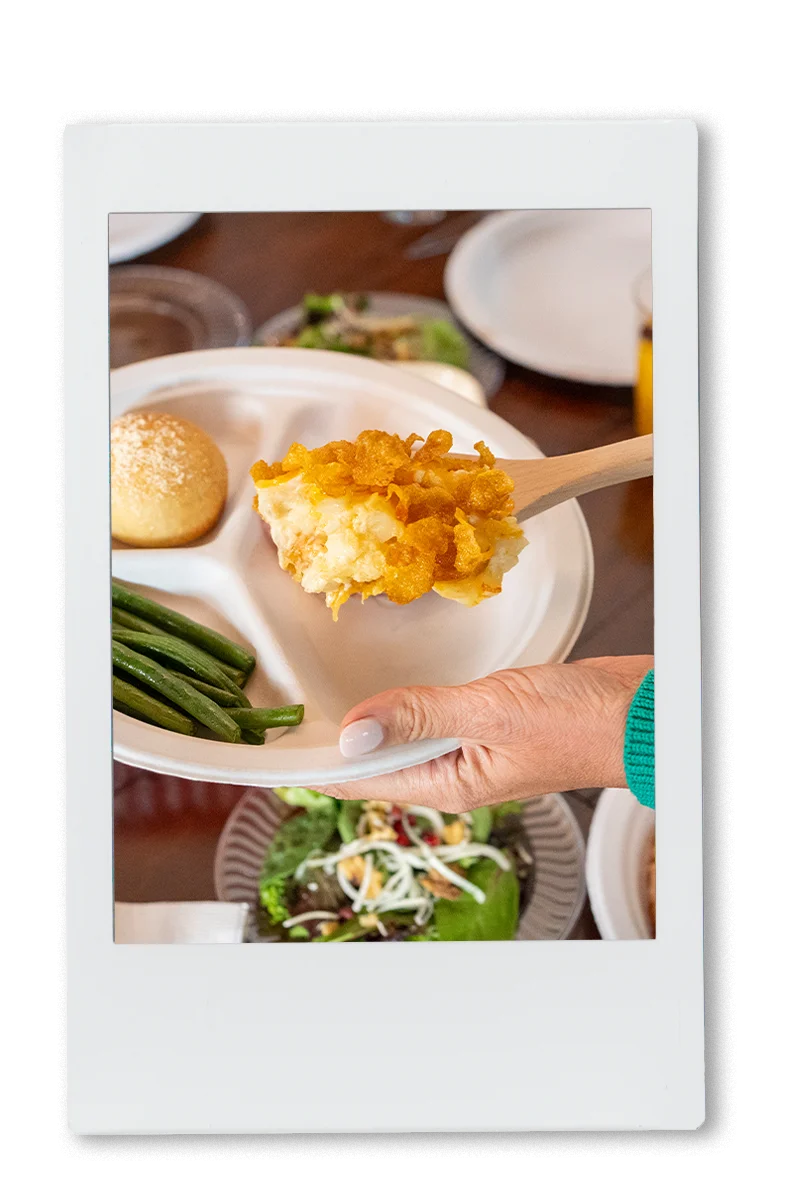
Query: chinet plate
{"type": "Point", "coordinates": [254, 402]}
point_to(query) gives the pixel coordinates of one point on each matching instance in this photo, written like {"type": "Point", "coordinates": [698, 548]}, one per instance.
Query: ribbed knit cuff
{"type": "Point", "coordinates": [640, 743]}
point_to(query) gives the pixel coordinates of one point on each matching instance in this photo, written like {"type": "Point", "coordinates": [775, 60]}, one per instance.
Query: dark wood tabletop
{"type": "Point", "coordinates": [165, 836]}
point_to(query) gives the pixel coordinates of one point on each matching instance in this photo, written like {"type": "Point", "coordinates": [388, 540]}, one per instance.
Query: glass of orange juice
{"type": "Point", "coordinates": [642, 395]}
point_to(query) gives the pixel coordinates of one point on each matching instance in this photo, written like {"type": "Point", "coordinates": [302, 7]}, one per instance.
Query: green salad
{"type": "Point", "coordinates": [343, 322]}
{"type": "Point", "coordinates": [342, 871]}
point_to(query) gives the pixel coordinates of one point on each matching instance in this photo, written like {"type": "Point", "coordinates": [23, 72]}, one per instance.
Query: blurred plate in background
{"type": "Point", "coordinates": [483, 365]}
{"type": "Point", "coordinates": [156, 311]}
{"type": "Point", "coordinates": [133, 234]}
{"type": "Point", "coordinates": [453, 378]}
{"type": "Point", "coordinates": [554, 290]}
{"type": "Point", "coordinates": [617, 855]}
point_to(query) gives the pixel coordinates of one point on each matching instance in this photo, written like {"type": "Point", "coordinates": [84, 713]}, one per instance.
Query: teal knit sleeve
{"type": "Point", "coordinates": [640, 743]}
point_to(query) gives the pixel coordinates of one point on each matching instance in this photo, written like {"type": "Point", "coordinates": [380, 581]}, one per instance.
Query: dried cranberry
{"type": "Point", "coordinates": [431, 839]}
{"type": "Point", "coordinates": [402, 840]}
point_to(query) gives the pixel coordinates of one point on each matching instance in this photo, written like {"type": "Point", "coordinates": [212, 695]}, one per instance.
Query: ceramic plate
{"type": "Point", "coordinates": [255, 403]}
{"type": "Point", "coordinates": [553, 837]}
{"type": "Point", "coordinates": [483, 365]}
{"type": "Point", "coordinates": [133, 234]}
{"type": "Point", "coordinates": [555, 291]}
{"type": "Point", "coordinates": [616, 862]}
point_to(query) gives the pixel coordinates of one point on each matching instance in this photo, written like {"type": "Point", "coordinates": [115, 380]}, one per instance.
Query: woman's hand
{"type": "Point", "coordinates": [523, 732]}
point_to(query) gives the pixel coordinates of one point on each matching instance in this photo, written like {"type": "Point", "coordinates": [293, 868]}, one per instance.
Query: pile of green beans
{"type": "Point", "coordinates": [173, 672]}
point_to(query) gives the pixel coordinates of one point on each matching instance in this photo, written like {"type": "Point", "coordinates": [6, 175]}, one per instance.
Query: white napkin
{"type": "Point", "coordinates": [195, 923]}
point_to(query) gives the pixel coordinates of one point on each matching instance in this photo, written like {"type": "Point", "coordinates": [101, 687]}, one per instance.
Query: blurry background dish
{"type": "Point", "coordinates": [162, 310]}
{"type": "Point", "coordinates": [554, 291]}
{"type": "Point", "coordinates": [485, 366]}
{"type": "Point", "coordinates": [553, 901]}
{"type": "Point", "coordinates": [133, 234]}
{"type": "Point", "coordinates": [619, 850]}
{"type": "Point", "coordinates": [453, 378]}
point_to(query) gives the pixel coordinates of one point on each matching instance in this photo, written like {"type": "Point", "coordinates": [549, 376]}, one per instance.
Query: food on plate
{"type": "Point", "coordinates": [141, 612]}
{"type": "Point", "coordinates": [341, 871]}
{"type": "Point", "coordinates": [343, 322]}
{"type": "Point", "coordinates": [650, 880]}
{"type": "Point", "coordinates": [159, 655]}
{"type": "Point", "coordinates": [387, 516]}
{"type": "Point", "coordinates": [169, 480]}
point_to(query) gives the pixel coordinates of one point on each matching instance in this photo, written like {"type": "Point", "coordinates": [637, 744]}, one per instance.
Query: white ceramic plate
{"type": "Point", "coordinates": [483, 365]}
{"type": "Point", "coordinates": [255, 402]}
{"type": "Point", "coordinates": [555, 291]}
{"type": "Point", "coordinates": [616, 860]}
{"type": "Point", "coordinates": [555, 841]}
{"type": "Point", "coordinates": [133, 234]}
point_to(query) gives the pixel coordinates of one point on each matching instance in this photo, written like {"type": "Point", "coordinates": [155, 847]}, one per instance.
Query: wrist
{"type": "Point", "coordinates": [603, 764]}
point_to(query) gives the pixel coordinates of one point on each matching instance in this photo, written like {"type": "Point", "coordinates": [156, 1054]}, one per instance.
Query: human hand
{"type": "Point", "coordinates": [523, 732]}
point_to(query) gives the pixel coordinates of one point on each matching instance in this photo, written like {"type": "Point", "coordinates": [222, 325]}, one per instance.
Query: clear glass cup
{"type": "Point", "coordinates": [642, 392]}
{"type": "Point", "coordinates": [427, 216]}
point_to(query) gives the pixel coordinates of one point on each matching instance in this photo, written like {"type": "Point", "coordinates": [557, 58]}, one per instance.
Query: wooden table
{"type": "Point", "coordinates": [164, 842]}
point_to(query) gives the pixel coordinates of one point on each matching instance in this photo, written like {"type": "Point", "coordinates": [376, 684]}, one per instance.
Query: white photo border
{"type": "Point", "coordinates": [462, 1036]}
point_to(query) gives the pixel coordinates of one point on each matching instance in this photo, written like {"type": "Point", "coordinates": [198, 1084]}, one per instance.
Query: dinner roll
{"type": "Point", "coordinates": [169, 480]}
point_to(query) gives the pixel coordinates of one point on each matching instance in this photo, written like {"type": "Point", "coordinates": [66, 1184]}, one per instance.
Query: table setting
{"type": "Point", "coordinates": [529, 333]}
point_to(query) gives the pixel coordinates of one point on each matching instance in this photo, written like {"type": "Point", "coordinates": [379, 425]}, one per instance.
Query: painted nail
{"type": "Point", "coordinates": [361, 737]}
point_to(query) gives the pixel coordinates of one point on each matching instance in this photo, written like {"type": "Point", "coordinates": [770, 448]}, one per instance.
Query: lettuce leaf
{"type": "Point", "coordinates": [294, 841]}
{"type": "Point", "coordinates": [348, 818]}
{"type": "Point", "coordinates": [272, 899]}
{"type": "Point", "coordinates": [464, 920]}
{"type": "Point", "coordinates": [481, 822]}
{"type": "Point", "coordinates": [301, 797]}
{"type": "Point", "coordinates": [443, 342]}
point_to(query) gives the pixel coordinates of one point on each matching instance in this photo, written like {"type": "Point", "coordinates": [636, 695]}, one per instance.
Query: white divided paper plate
{"type": "Point", "coordinates": [255, 402]}
{"type": "Point", "coordinates": [616, 862]}
{"type": "Point", "coordinates": [556, 290]}
{"type": "Point", "coordinates": [553, 901]}
{"type": "Point", "coordinates": [133, 234]}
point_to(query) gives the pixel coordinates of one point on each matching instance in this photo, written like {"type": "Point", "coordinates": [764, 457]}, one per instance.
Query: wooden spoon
{"type": "Point", "coordinates": [540, 483]}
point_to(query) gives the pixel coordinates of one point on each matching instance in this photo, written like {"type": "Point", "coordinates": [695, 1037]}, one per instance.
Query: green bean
{"type": "Point", "coordinates": [174, 622]}
{"type": "Point", "coordinates": [158, 678]}
{"type": "Point", "coordinates": [252, 737]}
{"type": "Point", "coordinates": [129, 621]}
{"type": "Point", "coordinates": [258, 719]}
{"type": "Point", "coordinates": [126, 620]}
{"type": "Point", "coordinates": [136, 703]}
{"type": "Point", "coordinates": [219, 696]}
{"type": "Point", "coordinates": [174, 650]}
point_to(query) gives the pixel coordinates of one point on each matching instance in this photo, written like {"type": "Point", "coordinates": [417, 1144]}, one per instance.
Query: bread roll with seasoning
{"type": "Point", "coordinates": [169, 480]}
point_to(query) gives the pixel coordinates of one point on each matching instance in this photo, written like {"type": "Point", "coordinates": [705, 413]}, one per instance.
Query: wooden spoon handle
{"type": "Point", "coordinates": [541, 483]}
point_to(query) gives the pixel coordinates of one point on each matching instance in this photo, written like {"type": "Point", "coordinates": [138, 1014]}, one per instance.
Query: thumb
{"type": "Point", "coordinates": [410, 715]}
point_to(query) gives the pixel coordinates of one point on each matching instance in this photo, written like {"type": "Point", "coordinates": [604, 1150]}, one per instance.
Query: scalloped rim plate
{"type": "Point", "coordinates": [555, 841]}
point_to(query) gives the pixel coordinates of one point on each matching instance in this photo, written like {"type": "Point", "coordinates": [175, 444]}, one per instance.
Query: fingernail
{"type": "Point", "coordinates": [361, 737]}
